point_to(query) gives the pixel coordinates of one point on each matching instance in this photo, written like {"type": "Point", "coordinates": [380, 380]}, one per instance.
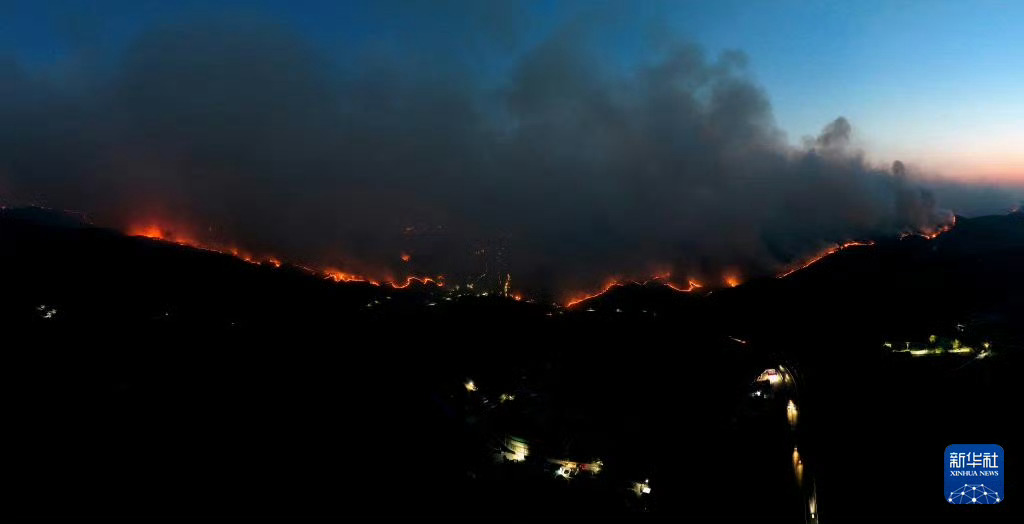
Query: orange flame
{"type": "Point", "coordinates": [157, 232]}
{"type": "Point", "coordinates": [340, 276]}
{"type": "Point", "coordinates": [175, 236]}
{"type": "Point", "coordinates": [941, 230]}
{"type": "Point", "coordinates": [584, 298]}
{"type": "Point", "coordinates": [439, 282]}
{"type": "Point", "coordinates": [150, 231]}
{"type": "Point", "coordinates": [932, 235]}
{"type": "Point", "coordinates": [693, 284]}
{"type": "Point", "coordinates": [830, 251]}
{"type": "Point", "coordinates": [616, 283]}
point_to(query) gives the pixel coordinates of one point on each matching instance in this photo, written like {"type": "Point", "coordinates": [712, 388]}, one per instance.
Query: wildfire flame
{"type": "Point", "coordinates": [439, 282]}
{"type": "Point", "coordinates": [611, 285]}
{"type": "Point", "coordinates": [157, 232]}
{"type": "Point", "coordinates": [150, 231]}
{"type": "Point", "coordinates": [175, 236]}
{"type": "Point", "coordinates": [341, 276]}
{"type": "Point", "coordinates": [932, 235]}
{"type": "Point", "coordinates": [693, 284]}
{"type": "Point", "coordinates": [830, 251]}
{"type": "Point", "coordinates": [617, 283]}
{"type": "Point", "coordinates": [163, 234]}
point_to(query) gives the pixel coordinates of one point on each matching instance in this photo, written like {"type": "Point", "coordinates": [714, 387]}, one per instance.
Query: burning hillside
{"type": "Point", "coordinates": [728, 278]}
{"type": "Point", "coordinates": [172, 235]}
{"type": "Point", "coordinates": [671, 166]}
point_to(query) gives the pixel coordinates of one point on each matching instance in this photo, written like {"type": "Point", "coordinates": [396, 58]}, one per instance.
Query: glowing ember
{"type": "Point", "coordinates": [615, 283]}
{"type": "Point", "coordinates": [830, 251]}
{"type": "Point", "coordinates": [175, 236]}
{"type": "Point", "coordinates": [941, 230]}
{"type": "Point", "coordinates": [439, 282]}
{"type": "Point", "coordinates": [340, 276]}
{"type": "Point", "coordinates": [156, 232]}
{"type": "Point", "coordinates": [693, 284]}
{"type": "Point", "coordinates": [148, 232]}
{"type": "Point", "coordinates": [931, 235]}
{"type": "Point", "coordinates": [165, 234]}
{"type": "Point", "coordinates": [584, 298]}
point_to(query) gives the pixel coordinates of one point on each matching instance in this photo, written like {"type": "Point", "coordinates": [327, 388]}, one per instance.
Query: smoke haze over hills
{"type": "Point", "coordinates": [562, 168]}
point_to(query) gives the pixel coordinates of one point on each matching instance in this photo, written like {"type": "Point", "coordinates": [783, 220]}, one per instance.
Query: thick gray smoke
{"type": "Point", "coordinates": [564, 172]}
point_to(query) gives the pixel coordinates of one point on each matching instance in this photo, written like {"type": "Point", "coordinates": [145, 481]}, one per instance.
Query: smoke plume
{"type": "Point", "coordinates": [561, 170]}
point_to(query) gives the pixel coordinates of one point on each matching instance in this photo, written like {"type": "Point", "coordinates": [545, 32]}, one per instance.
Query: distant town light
{"type": "Point", "coordinates": [770, 376]}
{"type": "Point", "coordinates": [642, 488]}
{"type": "Point", "coordinates": [470, 386]}
{"type": "Point", "coordinates": [518, 449]}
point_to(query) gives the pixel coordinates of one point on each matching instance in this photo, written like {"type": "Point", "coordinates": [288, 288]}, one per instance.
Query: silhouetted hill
{"type": "Point", "coordinates": [159, 379]}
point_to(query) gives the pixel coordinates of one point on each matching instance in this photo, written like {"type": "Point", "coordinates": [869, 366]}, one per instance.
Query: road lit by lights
{"type": "Point", "coordinates": [798, 467]}
{"type": "Point", "coordinates": [791, 413]}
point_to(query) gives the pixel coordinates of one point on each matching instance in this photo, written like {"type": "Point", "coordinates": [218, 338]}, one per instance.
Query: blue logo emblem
{"type": "Point", "coordinates": [974, 474]}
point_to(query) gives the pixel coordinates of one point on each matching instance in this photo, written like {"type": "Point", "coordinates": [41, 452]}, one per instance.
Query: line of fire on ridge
{"type": "Point", "coordinates": [729, 280]}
